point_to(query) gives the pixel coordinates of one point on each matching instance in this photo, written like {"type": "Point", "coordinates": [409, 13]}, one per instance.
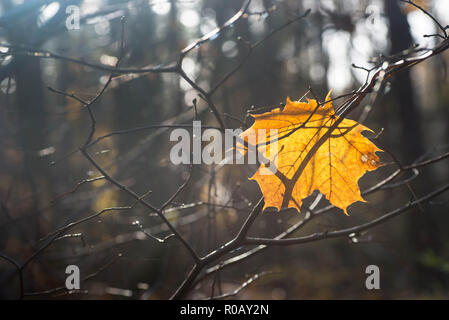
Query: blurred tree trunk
{"type": "Point", "coordinates": [402, 88]}
{"type": "Point", "coordinates": [31, 121]}
{"type": "Point", "coordinates": [421, 225]}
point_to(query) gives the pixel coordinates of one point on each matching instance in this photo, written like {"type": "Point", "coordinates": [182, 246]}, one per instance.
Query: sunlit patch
{"type": "Point", "coordinates": [108, 60]}
{"type": "Point", "coordinates": [442, 11]}
{"type": "Point", "coordinates": [256, 25]}
{"type": "Point", "coordinates": [4, 49]}
{"type": "Point", "coordinates": [189, 18]}
{"type": "Point", "coordinates": [190, 67]}
{"type": "Point", "coordinates": [6, 61]}
{"type": "Point", "coordinates": [47, 12]}
{"type": "Point", "coordinates": [208, 21]}
{"type": "Point", "coordinates": [184, 85]}
{"type": "Point", "coordinates": [361, 52]}
{"type": "Point", "coordinates": [46, 152]}
{"type": "Point", "coordinates": [336, 45]}
{"type": "Point", "coordinates": [230, 49]}
{"type": "Point", "coordinates": [161, 8]}
{"type": "Point", "coordinates": [189, 96]}
{"type": "Point", "coordinates": [102, 27]}
{"type": "Point", "coordinates": [90, 6]}
{"type": "Point", "coordinates": [8, 85]}
{"type": "Point", "coordinates": [118, 292]}
{"type": "Point", "coordinates": [207, 25]}
{"type": "Point", "coordinates": [420, 24]}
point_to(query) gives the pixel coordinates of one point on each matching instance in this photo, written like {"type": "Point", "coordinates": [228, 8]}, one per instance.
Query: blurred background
{"type": "Point", "coordinates": [40, 188]}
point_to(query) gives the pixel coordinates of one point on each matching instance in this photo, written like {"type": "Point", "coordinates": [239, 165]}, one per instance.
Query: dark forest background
{"type": "Point", "coordinates": [39, 127]}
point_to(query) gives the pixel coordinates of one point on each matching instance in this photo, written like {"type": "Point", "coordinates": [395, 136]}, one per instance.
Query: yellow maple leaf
{"type": "Point", "coordinates": [334, 169]}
